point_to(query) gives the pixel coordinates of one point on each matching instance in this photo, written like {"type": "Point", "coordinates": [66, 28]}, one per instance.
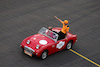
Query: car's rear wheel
{"type": "Point", "coordinates": [69, 45]}
{"type": "Point", "coordinates": [44, 54]}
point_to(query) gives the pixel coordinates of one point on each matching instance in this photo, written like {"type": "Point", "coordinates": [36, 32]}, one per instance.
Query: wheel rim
{"type": "Point", "coordinates": [69, 45]}
{"type": "Point", "coordinates": [44, 55]}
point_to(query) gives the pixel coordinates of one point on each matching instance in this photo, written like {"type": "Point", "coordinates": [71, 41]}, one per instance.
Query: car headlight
{"type": "Point", "coordinates": [37, 46]}
{"type": "Point", "coordinates": [28, 42]}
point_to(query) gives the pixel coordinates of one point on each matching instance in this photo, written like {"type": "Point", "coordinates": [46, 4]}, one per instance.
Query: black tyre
{"type": "Point", "coordinates": [44, 55]}
{"type": "Point", "coordinates": [69, 45]}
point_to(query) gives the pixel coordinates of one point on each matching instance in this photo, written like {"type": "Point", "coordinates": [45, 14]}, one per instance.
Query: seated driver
{"type": "Point", "coordinates": [64, 30]}
{"type": "Point", "coordinates": [50, 28]}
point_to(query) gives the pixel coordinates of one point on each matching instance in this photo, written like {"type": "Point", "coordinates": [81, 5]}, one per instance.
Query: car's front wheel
{"type": "Point", "coordinates": [44, 55]}
{"type": "Point", "coordinates": [69, 45]}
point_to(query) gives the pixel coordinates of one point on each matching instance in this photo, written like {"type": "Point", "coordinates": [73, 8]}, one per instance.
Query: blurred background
{"type": "Point", "coordinates": [22, 18]}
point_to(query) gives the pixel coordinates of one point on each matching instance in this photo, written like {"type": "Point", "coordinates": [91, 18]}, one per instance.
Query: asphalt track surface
{"type": "Point", "coordinates": [22, 18]}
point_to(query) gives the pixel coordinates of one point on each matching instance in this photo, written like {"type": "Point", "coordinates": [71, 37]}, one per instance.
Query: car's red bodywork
{"type": "Point", "coordinates": [50, 46]}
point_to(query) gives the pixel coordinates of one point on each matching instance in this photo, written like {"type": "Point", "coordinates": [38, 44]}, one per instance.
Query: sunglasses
{"type": "Point", "coordinates": [66, 24]}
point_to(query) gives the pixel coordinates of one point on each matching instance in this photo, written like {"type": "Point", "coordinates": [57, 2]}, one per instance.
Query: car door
{"type": "Point", "coordinates": [59, 45]}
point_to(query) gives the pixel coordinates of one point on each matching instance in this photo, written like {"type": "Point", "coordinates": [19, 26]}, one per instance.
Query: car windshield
{"type": "Point", "coordinates": [46, 32]}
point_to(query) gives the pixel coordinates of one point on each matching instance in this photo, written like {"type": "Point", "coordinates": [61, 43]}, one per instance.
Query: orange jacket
{"type": "Point", "coordinates": [65, 28]}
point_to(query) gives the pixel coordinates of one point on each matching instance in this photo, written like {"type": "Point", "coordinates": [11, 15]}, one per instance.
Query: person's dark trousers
{"type": "Point", "coordinates": [61, 35]}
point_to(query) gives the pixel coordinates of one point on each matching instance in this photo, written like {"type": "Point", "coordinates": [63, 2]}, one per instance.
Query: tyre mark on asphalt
{"type": "Point", "coordinates": [85, 57]}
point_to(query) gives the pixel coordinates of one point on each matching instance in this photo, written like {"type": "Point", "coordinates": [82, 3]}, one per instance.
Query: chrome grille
{"type": "Point", "coordinates": [28, 49]}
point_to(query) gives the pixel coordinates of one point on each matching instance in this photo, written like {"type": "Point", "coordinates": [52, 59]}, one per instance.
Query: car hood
{"type": "Point", "coordinates": [38, 39]}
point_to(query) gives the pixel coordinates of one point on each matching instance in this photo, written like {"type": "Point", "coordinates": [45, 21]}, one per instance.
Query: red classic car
{"type": "Point", "coordinates": [46, 42]}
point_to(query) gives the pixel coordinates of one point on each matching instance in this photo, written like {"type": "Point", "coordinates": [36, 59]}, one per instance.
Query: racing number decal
{"type": "Point", "coordinates": [60, 44]}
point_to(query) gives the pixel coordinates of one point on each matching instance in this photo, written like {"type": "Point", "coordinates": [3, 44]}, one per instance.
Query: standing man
{"type": "Point", "coordinates": [64, 30]}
